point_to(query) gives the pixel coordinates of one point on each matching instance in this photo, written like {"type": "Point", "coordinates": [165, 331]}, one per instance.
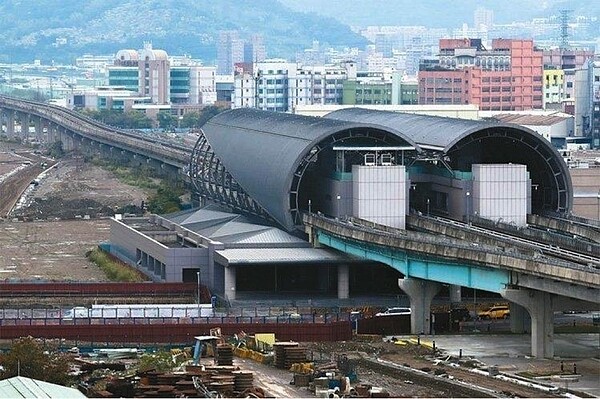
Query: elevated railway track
{"type": "Point", "coordinates": [88, 128]}
{"type": "Point", "coordinates": [461, 230]}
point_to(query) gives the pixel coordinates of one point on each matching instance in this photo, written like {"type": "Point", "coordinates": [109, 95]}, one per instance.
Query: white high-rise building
{"type": "Point", "coordinates": [277, 85]}
{"type": "Point", "coordinates": [483, 16]}
{"type": "Point", "coordinates": [230, 50]}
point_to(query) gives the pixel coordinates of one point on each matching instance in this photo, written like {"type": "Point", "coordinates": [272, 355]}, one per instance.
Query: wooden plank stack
{"type": "Point", "coordinates": [243, 380]}
{"type": "Point", "coordinates": [288, 353]}
{"type": "Point", "coordinates": [224, 355]}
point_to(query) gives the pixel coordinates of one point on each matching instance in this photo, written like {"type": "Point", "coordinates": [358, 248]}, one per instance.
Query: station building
{"type": "Point", "coordinates": [266, 169]}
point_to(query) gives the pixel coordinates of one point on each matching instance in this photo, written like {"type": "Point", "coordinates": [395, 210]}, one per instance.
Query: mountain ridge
{"type": "Point", "coordinates": [42, 30]}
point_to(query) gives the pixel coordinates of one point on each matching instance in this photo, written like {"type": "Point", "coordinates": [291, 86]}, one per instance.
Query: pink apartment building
{"type": "Point", "coordinates": [506, 77]}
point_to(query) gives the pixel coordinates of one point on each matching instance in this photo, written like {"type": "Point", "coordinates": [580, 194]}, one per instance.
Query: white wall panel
{"type": "Point", "coordinates": [500, 192]}
{"type": "Point", "coordinates": [379, 194]}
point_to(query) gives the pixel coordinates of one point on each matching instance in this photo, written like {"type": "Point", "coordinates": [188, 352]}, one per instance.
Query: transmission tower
{"type": "Point", "coordinates": [564, 28]}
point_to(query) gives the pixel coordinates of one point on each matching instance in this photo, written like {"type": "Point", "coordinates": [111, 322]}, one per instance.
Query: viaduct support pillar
{"type": "Point", "coordinates": [24, 119]}
{"type": "Point", "coordinates": [230, 283]}
{"type": "Point", "coordinates": [540, 308]}
{"type": "Point", "coordinates": [67, 139]}
{"type": "Point", "coordinates": [10, 124]}
{"type": "Point", "coordinates": [455, 293]}
{"type": "Point", "coordinates": [37, 122]}
{"type": "Point", "coordinates": [51, 132]}
{"type": "Point", "coordinates": [519, 319]}
{"type": "Point", "coordinates": [421, 293]}
{"type": "Point", "coordinates": [343, 282]}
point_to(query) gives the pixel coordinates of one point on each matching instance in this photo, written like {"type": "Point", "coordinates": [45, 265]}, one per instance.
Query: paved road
{"type": "Point", "coordinates": [511, 352]}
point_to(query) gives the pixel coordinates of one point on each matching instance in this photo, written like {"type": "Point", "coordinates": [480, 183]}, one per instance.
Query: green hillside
{"type": "Point", "coordinates": [61, 30]}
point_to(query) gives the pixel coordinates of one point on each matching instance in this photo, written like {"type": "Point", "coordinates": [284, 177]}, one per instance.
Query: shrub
{"type": "Point", "coordinates": [114, 269]}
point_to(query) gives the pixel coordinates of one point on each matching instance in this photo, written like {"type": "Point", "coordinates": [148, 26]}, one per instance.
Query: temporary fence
{"type": "Point", "coordinates": [177, 333]}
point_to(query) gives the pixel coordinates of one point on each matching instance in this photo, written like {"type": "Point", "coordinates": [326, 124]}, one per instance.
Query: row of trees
{"type": "Point", "coordinates": [166, 120]}
{"type": "Point", "coordinates": [123, 120]}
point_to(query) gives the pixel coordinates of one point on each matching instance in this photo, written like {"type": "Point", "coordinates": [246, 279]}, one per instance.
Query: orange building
{"type": "Point", "coordinates": [507, 77]}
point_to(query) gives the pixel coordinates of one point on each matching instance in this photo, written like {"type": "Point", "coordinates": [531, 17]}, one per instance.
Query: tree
{"type": "Point", "coordinates": [28, 357]}
{"type": "Point", "coordinates": [208, 113]}
{"type": "Point", "coordinates": [190, 119]}
{"type": "Point", "coordinates": [197, 119]}
{"type": "Point", "coordinates": [56, 150]}
{"type": "Point", "coordinates": [166, 120]}
{"type": "Point", "coordinates": [166, 200]}
{"type": "Point", "coordinates": [123, 120]}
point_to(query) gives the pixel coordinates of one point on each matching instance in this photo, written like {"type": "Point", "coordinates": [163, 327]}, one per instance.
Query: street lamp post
{"type": "Point", "coordinates": [468, 213]}
{"type": "Point", "coordinates": [198, 285]}
{"type": "Point", "coordinates": [427, 206]}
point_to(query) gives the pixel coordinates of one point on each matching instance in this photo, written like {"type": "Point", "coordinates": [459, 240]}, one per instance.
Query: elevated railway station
{"type": "Point", "coordinates": [335, 204]}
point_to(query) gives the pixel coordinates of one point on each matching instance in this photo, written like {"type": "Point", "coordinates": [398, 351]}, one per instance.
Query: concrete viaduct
{"type": "Point", "coordinates": [541, 286]}
{"type": "Point", "coordinates": [53, 123]}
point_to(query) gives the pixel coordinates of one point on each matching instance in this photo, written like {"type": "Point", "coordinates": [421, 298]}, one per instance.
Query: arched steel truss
{"type": "Point", "coordinates": [328, 142]}
{"type": "Point", "coordinates": [212, 181]}
{"type": "Point", "coordinates": [555, 173]}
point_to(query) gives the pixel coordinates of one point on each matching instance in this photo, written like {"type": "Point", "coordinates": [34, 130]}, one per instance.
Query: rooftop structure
{"type": "Point", "coordinates": [23, 387]}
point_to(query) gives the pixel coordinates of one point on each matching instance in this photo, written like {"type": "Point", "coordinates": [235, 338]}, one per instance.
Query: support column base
{"type": "Point", "coordinates": [421, 293]}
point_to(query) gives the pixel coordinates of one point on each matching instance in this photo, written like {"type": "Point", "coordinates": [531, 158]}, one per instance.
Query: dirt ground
{"type": "Point", "coordinates": [422, 375]}
{"type": "Point", "coordinates": [372, 367]}
{"type": "Point", "coordinates": [53, 243]}
{"type": "Point", "coordinates": [51, 250]}
{"type": "Point", "coordinates": [74, 189]}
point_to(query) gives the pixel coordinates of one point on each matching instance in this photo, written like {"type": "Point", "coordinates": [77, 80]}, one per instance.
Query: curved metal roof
{"type": "Point", "coordinates": [262, 150]}
{"type": "Point", "coordinates": [445, 133]}
{"type": "Point", "coordinates": [425, 130]}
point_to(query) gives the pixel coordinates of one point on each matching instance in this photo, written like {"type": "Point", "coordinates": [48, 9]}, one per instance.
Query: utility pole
{"type": "Point", "coordinates": [564, 28]}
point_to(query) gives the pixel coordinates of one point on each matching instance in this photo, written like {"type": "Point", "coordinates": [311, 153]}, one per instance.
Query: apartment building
{"type": "Point", "coordinates": [506, 77]}
{"type": "Point", "coordinates": [553, 89]}
{"type": "Point", "coordinates": [161, 80]}
{"type": "Point", "coordinates": [569, 60]}
{"type": "Point", "coordinates": [278, 85]}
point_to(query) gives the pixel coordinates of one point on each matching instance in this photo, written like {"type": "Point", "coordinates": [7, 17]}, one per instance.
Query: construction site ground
{"type": "Point", "coordinates": [65, 217]}
{"type": "Point", "coordinates": [412, 371]}
{"type": "Point", "coordinates": [52, 246]}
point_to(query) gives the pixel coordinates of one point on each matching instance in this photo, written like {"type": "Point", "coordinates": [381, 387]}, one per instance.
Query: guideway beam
{"type": "Point", "coordinates": [421, 293]}
{"type": "Point", "coordinates": [540, 306]}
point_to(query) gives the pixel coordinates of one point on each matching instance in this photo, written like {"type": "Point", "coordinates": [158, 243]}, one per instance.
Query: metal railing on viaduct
{"type": "Point", "coordinates": [87, 128]}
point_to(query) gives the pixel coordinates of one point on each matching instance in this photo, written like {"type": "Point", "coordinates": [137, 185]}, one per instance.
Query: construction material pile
{"type": "Point", "coordinates": [199, 381]}
{"type": "Point", "coordinates": [288, 353]}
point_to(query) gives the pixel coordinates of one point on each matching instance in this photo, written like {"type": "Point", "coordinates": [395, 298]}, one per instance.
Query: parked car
{"type": "Point", "coordinates": [394, 311]}
{"type": "Point", "coordinates": [495, 312]}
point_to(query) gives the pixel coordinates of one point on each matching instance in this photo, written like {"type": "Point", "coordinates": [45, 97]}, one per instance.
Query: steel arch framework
{"type": "Point", "coordinates": [212, 181]}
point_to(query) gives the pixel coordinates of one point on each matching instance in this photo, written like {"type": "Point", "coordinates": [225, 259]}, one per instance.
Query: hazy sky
{"type": "Point", "coordinates": [442, 13]}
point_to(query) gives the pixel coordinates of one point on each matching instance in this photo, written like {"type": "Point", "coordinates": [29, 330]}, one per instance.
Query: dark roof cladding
{"type": "Point", "coordinates": [531, 120]}
{"type": "Point", "coordinates": [262, 150]}
{"type": "Point", "coordinates": [451, 135]}
{"type": "Point", "coordinates": [425, 130]}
